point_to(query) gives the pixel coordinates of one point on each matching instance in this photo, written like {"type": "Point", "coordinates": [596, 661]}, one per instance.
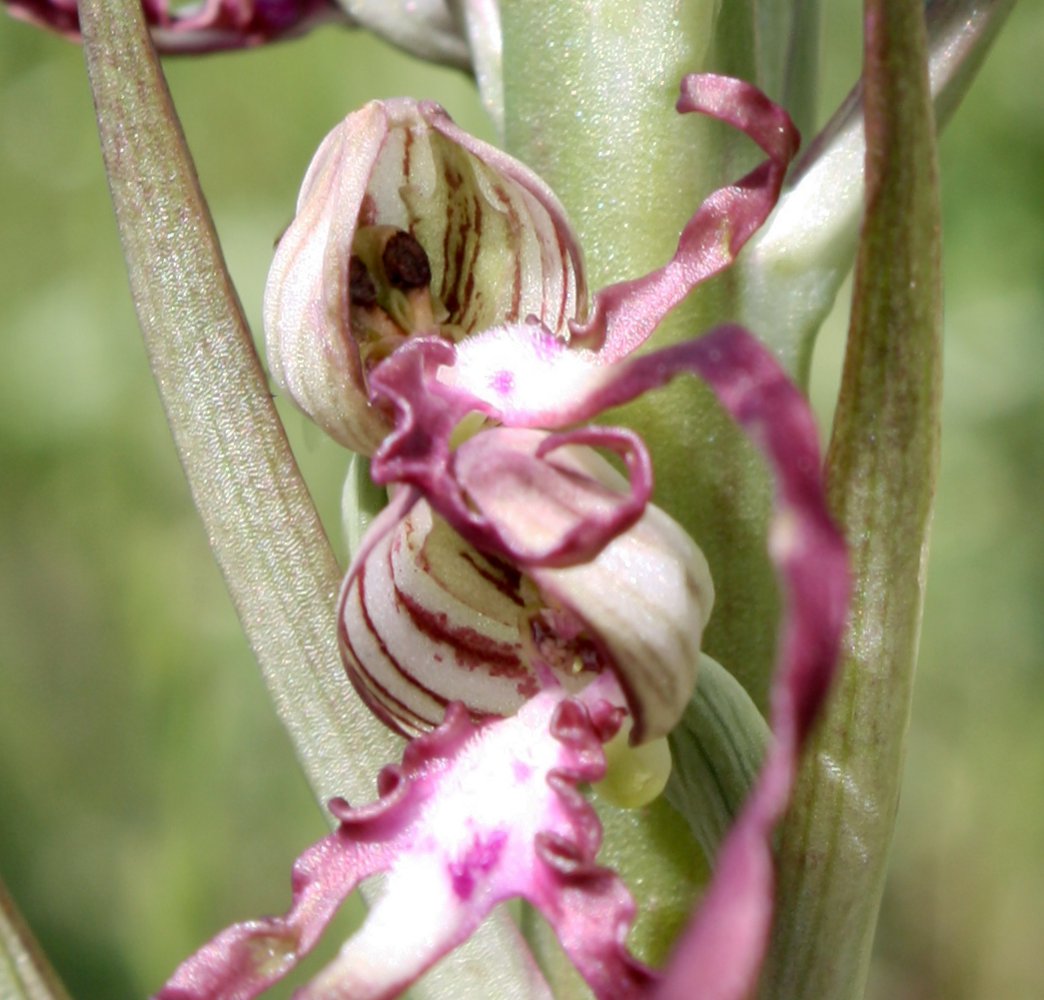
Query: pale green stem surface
{"type": "Point", "coordinates": [259, 517]}
{"type": "Point", "coordinates": [25, 973]}
{"type": "Point", "coordinates": [881, 469]}
{"type": "Point", "coordinates": [589, 93]}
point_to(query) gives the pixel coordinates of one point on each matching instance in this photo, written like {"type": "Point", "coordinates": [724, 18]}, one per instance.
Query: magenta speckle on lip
{"type": "Point", "coordinates": [480, 858]}
{"type": "Point", "coordinates": [503, 382]}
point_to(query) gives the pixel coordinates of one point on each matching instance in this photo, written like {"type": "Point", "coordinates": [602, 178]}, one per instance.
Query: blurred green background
{"type": "Point", "coordinates": [147, 794]}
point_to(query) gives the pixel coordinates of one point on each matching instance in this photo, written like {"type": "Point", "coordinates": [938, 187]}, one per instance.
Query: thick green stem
{"type": "Point", "coordinates": [882, 465]}
{"type": "Point", "coordinates": [589, 102]}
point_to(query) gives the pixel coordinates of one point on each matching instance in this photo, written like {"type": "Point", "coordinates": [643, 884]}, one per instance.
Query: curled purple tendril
{"type": "Point", "coordinates": [625, 315]}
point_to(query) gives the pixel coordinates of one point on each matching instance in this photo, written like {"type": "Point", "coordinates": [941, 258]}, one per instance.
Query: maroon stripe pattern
{"type": "Point", "coordinates": [499, 246]}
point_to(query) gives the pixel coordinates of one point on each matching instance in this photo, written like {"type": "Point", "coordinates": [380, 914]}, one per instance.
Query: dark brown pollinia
{"type": "Point", "coordinates": [405, 262]}
{"type": "Point", "coordinates": [361, 289]}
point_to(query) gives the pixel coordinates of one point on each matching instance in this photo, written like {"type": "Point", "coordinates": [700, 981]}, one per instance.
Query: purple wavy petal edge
{"type": "Point", "coordinates": [211, 26]}
{"type": "Point", "coordinates": [538, 840]}
{"type": "Point", "coordinates": [720, 953]}
{"type": "Point", "coordinates": [625, 315]}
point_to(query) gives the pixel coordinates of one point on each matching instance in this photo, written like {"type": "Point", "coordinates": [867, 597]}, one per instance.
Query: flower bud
{"type": "Point", "coordinates": [426, 618]}
{"type": "Point", "coordinates": [407, 226]}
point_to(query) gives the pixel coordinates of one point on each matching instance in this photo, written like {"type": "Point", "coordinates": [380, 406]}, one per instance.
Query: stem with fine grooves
{"type": "Point", "coordinates": [259, 517]}
{"type": "Point", "coordinates": [881, 469]}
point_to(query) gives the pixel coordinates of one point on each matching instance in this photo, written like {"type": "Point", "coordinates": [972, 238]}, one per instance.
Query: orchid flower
{"type": "Point", "coordinates": [406, 227]}
{"type": "Point", "coordinates": [454, 847]}
{"type": "Point", "coordinates": [515, 564]}
{"type": "Point", "coordinates": [498, 246]}
{"type": "Point", "coordinates": [428, 29]}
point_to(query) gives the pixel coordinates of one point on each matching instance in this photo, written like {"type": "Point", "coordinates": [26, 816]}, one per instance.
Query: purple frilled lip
{"type": "Point", "coordinates": [482, 811]}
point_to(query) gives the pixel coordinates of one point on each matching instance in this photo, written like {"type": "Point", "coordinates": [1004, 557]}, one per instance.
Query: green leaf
{"type": "Point", "coordinates": [774, 44]}
{"type": "Point", "coordinates": [361, 501]}
{"type": "Point", "coordinates": [717, 751]}
{"type": "Point", "coordinates": [790, 272]}
{"type": "Point", "coordinates": [25, 973]}
{"type": "Point", "coordinates": [789, 36]}
{"type": "Point", "coordinates": [881, 470]}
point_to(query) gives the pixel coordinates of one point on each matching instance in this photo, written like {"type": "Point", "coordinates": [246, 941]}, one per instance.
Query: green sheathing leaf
{"type": "Point", "coordinates": [881, 465]}
{"type": "Point", "coordinates": [25, 973]}
{"type": "Point", "coordinates": [789, 40]}
{"type": "Point", "coordinates": [260, 520]}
